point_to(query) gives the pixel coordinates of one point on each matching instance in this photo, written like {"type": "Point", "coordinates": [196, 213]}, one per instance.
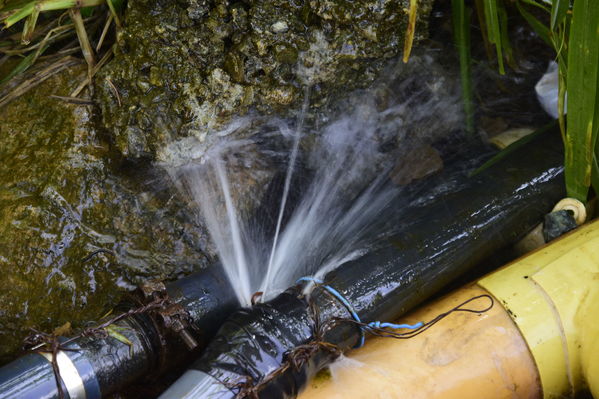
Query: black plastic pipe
{"type": "Point", "coordinates": [444, 234]}
{"type": "Point", "coordinates": [93, 367]}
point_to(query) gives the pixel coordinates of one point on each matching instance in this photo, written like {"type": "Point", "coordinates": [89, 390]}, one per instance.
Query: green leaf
{"type": "Point", "coordinates": [535, 3]}
{"type": "Point", "coordinates": [20, 68]}
{"type": "Point", "coordinates": [14, 12]}
{"type": "Point", "coordinates": [87, 12]}
{"type": "Point", "coordinates": [494, 30]}
{"type": "Point", "coordinates": [559, 8]}
{"type": "Point", "coordinates": [514, 146]}
{"type": "Point", "coordinates": [540, 28]}
{"type": "Point", "coordinates": [115, 7]}
{"type": "Point", "coordinates": [19, 14]}
{"type": "Point", "coordinates": [505, 40]}
{"type": "Point", "coordinates": [115, 332]}
{"type": "Point", "coordinates": [595, 175]}
{"type": "Point", "coordinates": [29, 27]}
{"type": "Point", "coordinates": [461, 36]}
{"type": "Point", "coordinates": [582, 84]}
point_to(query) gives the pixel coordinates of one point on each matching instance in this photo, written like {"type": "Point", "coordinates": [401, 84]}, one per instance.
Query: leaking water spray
{"type": "Point", "coordinates": [450, 229]}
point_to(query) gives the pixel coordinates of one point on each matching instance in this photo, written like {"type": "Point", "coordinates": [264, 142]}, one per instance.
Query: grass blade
{"type": "Point", "coordinates": [583, 104]}
{"type": "Point", "coordinates": [50, 5]}
{"type": "Point", "coordinates": [559, 8]}
{"type": "Point", "coordinates": [480, 14]}
{"type": "Point", "coordinates": [595, 174]}
{"type": "Point", "coordinates": [514, 146]}
{"type": "Point", "coordinates": [505, 40]}
{"type": "Point", "coordinates": [21, 67]}
{"type": "Point", "coordinates": [18, 14]}
{"type": "Point", "coordinates": [29, 27]}
{"type": "Point", "coordinates": [14, 12]}
{"type": "Point", "coordinates": [113, 5]}
{"type": "Point", "coordinates": [535, 3]}
{"type": "Point", "coordinates": [539, 28]}
{"type": "Point", "coordinates": [409, 39]}
{"type": "Point", "coordinates": [86, 47]}
{"type": "Point", "coordinates": [38, 78]}
{"type": "Point", "coordinates": [494, 30]}
{"type": "Point", "coordinates": [461, 35]}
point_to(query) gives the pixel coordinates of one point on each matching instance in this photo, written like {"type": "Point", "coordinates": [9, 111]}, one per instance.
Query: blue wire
{"type": "Point", "coordinates": [354, 314]}
{"type": "Point", "coordinates": [378, 324]}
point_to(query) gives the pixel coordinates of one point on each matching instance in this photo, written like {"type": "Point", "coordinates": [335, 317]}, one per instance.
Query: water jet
{"type": "Point", "coordinates": [445, 236]}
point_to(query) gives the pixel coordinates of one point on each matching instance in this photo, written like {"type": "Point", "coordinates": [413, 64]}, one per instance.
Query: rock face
{"type": "Point", "coordinates": [78, 224]}
{"type": "Point", "coordinates": [62, 200]}
{"type": "Point", "coordinates": [184, 68]}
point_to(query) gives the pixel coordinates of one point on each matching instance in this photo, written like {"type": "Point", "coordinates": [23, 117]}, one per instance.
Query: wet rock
{"type": "Point", "coordinates": [185, 68]}
{"type": "Point", "coordinates": [557, 224]}
{"type": "Point", "coordinates": [73, 231]}
{"type": "Point", "coordinates": [416, 164]}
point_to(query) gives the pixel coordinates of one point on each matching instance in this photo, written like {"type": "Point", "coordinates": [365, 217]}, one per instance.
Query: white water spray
{"type": "Point", "coordinates": [335, 218]}
{"type": "Point", "coordinates": [287, 185]}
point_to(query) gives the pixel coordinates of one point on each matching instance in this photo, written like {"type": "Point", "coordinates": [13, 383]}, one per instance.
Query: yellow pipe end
{"type": "Point", "coordinates": [547, 294]}
{"type": "Point", "coordinates": [541, 339]}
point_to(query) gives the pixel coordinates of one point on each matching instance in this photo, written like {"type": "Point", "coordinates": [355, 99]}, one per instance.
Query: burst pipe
{"type": "Point", "coordinates": [540, 340]}
{"type": "Point", "coordinates": [93, 367]}
{"type": "Point", "coordinates": [448, 234]}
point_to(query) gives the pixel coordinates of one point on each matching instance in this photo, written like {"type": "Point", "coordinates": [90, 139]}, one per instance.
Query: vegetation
{"type": "Point", "coordinates": [572, 29]}
{"type": "Point", "coordinates": [53, 39]}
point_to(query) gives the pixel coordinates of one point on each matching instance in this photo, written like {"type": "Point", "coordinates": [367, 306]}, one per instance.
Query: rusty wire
{"type": "Point", "coordinates": [297, 357]}
{"type": "Point", "coordinates": [39, 341]}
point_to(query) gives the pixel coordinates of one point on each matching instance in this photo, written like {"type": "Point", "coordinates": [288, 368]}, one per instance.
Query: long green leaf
{"type": "Point", "coordinates": [535, 3]}
{"type": "Point", "coordinates": [461, 34]}
{"type": "Point", "coordinates": [23, 65]}
{"type": "Point", "coordinates": [19, 14]}
{"type": "Point", "coordinates": [16, 14]}
{"type": "Point", "coordinates": [505, 40]}
{"type": "Point", "coordinates": [582, 81]}
{"type": "Point", "coordinates": [595, 175]}
{"type": "Point", "coordinates": [494, 30]}
{"type": "Point", "coordinates": [535, 24]}
{"type": "Point", "coordinates": [514, 146]}
{"type": "Point", "coordinates": [559, 8]}
{"type": "Point", "coordinates": [29, 27]}
{"type": "Point", "coordinates": [114, 7]}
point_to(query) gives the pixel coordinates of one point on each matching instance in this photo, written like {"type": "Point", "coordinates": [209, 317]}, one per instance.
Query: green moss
{"type": "Point", "coordinates": [61, 200]}
{"type": "Point", "coordinates": [171, 53]}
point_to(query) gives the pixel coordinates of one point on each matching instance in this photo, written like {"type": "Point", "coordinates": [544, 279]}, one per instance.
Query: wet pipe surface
{"type": "Point", "coordinates": [451, 234]}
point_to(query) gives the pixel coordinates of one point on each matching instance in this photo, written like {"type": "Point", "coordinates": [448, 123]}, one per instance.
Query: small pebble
{"type": "Point", "coordinates": [279, 27]}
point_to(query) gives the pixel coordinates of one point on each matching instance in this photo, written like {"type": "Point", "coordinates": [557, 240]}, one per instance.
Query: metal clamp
{"type": "Point", "coordinates": [69, 374]}
{"type": "Point", "coordinates": [173, 316]}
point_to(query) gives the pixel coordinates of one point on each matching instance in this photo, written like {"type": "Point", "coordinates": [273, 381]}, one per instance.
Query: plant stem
{"type": "Point", "coordinates": [461, 34]}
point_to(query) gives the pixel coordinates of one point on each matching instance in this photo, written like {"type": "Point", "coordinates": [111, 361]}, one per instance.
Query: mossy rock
{"type": "Point", "coordinates": [184, 68]}
{"type": "Point", "coordinates": [62, 200]}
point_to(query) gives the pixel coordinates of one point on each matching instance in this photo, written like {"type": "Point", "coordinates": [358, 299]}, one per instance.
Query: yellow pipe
{"type": "Point", "coordinates": [549, 295]}
{"type": "Point", "coordinates": [464, 356]}
{"type": "Point", "coordinates": [541, 339]}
